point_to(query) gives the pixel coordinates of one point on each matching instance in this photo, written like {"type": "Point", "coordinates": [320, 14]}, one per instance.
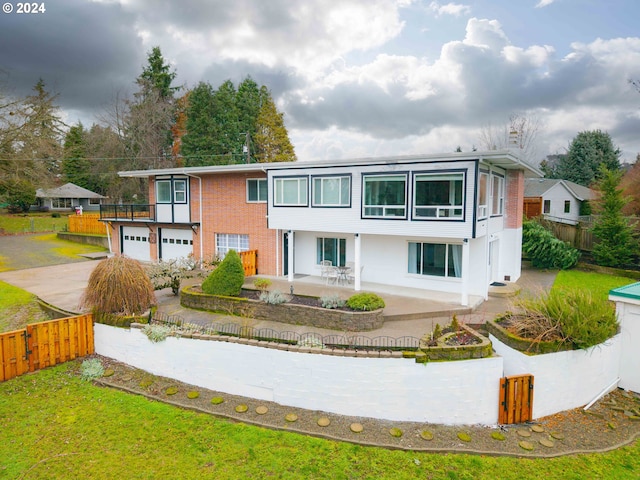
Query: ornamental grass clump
{"type": "Point", "coordinates": [569, 316]}
{"type": "Point", "coordinates": [120, 286]}
{"type": "Point", "coordinates": [227, 278]}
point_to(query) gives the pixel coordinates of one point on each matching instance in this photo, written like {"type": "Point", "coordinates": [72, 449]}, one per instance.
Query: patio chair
{"type": "Point", "coordinates": [351, 276]}
{"type": "Point", "coordinates": [326, 270]}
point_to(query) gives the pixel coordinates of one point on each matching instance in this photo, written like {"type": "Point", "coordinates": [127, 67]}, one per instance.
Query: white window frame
{"type": "Point", "coordinates": [259, 182]}
{"type": "Point", "coordinates": [497, 199]}
{"type": "Point", "coordinates": [483, 203]}
{"type": "Point", "coordinates": [450, 211]}
{"type": "Point", "coordinates": [302, 191]}
{"type": "Point", "coordinates": [179, 194]}
{"type": "Point", "coordinates": [449, 256]}
{"type": "Point", "coordinates": [567, 206]}
{"type": "Point", "coordinates": [163, 199]}
{"type": "Point", "coordinates": [387, 210]}
{"type": "Point", "coordinates": [339, 244]}
{"type": "Point", "coordinates": [231, 241]}
{"type": "Point", "coordinates": [61, 202]}
{"type": "Point", "coordinates": [178, 191]}
{"type": "Point", "coordinates": [94, 201]}
{"type": "Point", "coordinates": [546, 206]}
{"type": "Point", "coordinates": [318, 186]}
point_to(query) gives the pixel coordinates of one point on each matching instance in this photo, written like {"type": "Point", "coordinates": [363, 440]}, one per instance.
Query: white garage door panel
{"type": "Point", "coordinates": [135, 243]}
{"type": "Point", "coordinates": [175, 243]}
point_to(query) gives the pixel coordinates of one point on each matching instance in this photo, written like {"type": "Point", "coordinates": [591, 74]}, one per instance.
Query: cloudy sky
{"type": "Point", "coordinates": [355, 78]}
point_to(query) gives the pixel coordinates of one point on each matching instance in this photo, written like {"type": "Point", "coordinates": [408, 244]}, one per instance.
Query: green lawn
{"type": "Point", "coordinates": [17, 308]}
{"type": "Point", "coordinates": [32, 222]}
{"type": "Point", "coordinates": [598, 284]}
{"type": "Point", "coordinates": [56, 426]}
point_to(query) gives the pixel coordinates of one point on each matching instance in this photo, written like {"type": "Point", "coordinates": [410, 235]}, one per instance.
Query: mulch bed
{"type": "Point", "coordinates": [612, 422]}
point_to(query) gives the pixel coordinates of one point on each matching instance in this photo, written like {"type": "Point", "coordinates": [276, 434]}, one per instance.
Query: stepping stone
{"type": "Point", "coordinates": [545, 442]}
{"type": "Point", "coordinates": [524, 433]}
{"type": "Point", "coordinates": [241, 408]}
{"type": "Point", "coordinates": [356, 427]}
{"type": "Point", "coordinates": [108, 372]}
{"type": "Point", "coordinates": [557, 435]}
{"type": "Point", "coordinates": [465, 437]}
{"type": "Point", "coordinates": [126, 378]}
{"type": "Point", "coordinates": [537, 428]}
{"type": "Point", "coordinates": [324, 422]}
{"type": "Point", "coordinates": [395, 432]}
{"type": "Point", "coordinates": [498, 436]}
{"type": "Point", "coordinates": [426, 435]}
{"type": "Point", "coordinates": [261, 410]}
{"type": "Point", "coordinates": [291, 417]}
{"type": "Point", "coordinates": [526, 445]}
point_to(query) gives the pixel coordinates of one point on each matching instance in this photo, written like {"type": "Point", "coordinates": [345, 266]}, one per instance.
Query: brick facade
{"type": "Point", "coordinates": [513, 199]}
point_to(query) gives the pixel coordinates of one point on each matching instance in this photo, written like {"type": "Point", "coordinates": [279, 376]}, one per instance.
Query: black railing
{"type": "Point", "coordinates": [130, 212]}
{"type": "Point", "coordinates": [310, 339]}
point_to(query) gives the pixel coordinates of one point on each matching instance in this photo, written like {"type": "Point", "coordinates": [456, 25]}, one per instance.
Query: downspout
{"type": "Point", "coordinates": [201, 235]}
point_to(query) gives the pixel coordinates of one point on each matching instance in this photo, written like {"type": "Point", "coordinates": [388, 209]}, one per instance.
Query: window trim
{"type": "Point", "coordinates": [567, 206]}
{"type": "Point", "coordinates": [173, 191]}
{"type": "Point", "coordinates": [483, 208]}
{"type": "Point", "coordinates": [67, 202]}
{"type": "Point", "coordinates": [258, 181]}
{"type": "Point", "coordinates": [227, 235]}
{"type": "Point", "coordinates": [501, 196]}
{"type": "Point", "coordinates": [346, 176]}
{"type": "Point", "coordinates": [339, 254]}
{"type": "Point", "coordinates": [435, 173]}
{"type": "Point", "coordinates": [364, 178]}
{"type": "Point", "coordinates": [545, 204]}
{"type": "Point", "coordinates": [291, 177]}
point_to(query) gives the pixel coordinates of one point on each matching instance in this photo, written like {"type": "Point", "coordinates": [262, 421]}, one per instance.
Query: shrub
{"type": "Point", "coordinates": [544, 250]}
{"type": "Point", "coordinates": [273, 298]}
{"type": "Point", "coordinates": [119, 285]}
{"type": "Point", "coordinates": [156, 333]}
{"type": "Point", "coordinates": [570, 316]}
{"type": "Point", "coordinates": [91, 369]}
{"type": "Point", "coordinates": [19, 194]}
{"type": "Point", "coordinates": [262, 284]}
{"type": "Point", "coordinates": [332, 301]}
{"type": "Point", "coordinates": [55, 215]}
{"type": "Point", "coordinates": [227, 278]}
{"type": "Point", "coordinates": [365, 301]}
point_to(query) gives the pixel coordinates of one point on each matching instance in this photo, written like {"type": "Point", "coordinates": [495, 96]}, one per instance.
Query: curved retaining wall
{"type": "Point", "coordinates": [564, 380]}
{"type": "Point", "coordinates": [461, 392]}
{"type": "Point", "coordinates": [285, 312]}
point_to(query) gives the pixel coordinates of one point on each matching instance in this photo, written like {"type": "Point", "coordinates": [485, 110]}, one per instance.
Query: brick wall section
{"type": "Point", "coordinates": [514, 198]}
{"type": "Point", "coordinates": [225, 210]}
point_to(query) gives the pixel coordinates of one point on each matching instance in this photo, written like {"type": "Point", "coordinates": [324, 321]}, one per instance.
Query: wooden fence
{"type": "Point", "coordinates": [87, 223]}
{"type": "Point", "coordinates": [249, 262]}
{"type": "Point", "coordinates": [45, 344]}
{"type": "Point", "coordinates": [516, 399]}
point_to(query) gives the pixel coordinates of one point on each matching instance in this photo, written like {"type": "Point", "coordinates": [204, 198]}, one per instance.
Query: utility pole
{"type": "Point", "coordinates": [245, 148]}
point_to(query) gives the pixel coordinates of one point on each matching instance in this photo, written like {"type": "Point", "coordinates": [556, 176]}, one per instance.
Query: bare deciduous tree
{"type": "Point", "coordinates": [521, 132]}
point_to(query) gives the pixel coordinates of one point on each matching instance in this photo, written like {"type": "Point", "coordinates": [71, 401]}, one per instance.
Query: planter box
{"type": "Point", "coordinates": [284, 313]}
{"type": "Point", "coordinates": [442, 351]}
{"type": "Point", "coordinates": [524, 345]}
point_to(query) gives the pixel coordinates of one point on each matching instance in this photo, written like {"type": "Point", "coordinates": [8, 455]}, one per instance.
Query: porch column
{"type": "Point", "coordinates": [464, 295]}
{"type": "Point", "coordinates": [356, 261]}
{"type": "Point", "coordinates": [290, 256]}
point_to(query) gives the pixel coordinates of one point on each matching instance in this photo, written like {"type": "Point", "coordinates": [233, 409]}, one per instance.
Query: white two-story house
{"type": "Point", "coordinates": [450, 223]}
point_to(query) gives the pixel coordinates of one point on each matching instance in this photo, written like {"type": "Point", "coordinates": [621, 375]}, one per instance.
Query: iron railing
{"type": "Point", "coordinates": [343, 341]}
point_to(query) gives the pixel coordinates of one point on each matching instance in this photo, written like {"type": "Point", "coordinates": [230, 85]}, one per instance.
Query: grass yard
{"type": "Point", "coordinates": [17, 308]}
{"type": "Point", "coordinates": [32, 222]}
{"type": "Point", "coordinates": [67, 248]}
{"type": "Point", "coordinates": [598, 284]}
{"type": "Point", "coordinates": [55, 425]}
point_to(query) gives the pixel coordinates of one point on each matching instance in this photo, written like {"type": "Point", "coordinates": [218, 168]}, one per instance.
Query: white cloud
{"type": "Point", "coordinates": [544, 3]}
{"type": "Point", "coordinates": [454, 9]}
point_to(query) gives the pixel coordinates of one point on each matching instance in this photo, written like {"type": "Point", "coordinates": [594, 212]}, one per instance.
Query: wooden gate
{"type": "Point", "coordinates": [516, 399]}
{"type": "Point", "coordinates": [45, 344]}
{"type": "Point", "coordinates": [249, 262]}
{"type": "Point", "coordinates": [532, 207]}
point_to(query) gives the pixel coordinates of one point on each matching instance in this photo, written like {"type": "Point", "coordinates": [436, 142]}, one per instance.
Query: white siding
{"type": "Point", "coordinates": [557, 195]}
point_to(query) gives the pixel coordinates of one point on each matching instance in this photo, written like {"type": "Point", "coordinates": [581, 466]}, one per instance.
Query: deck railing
{"type": "Point", "coordinates": [130, 212]}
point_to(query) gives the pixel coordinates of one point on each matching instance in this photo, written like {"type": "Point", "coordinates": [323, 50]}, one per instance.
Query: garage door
{"type": "Point", "coordinates": [175, 243]}
{"type": "Point", "coordinates": [135, 243]}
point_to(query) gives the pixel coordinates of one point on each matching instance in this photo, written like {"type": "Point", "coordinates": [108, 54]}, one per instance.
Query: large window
{"type": "Point", "coordinates": [436, 259]}
{"type": "Point", "coordinates": [331, 249]}
{"type": "Point", "coordinates": [497, 207]}
{"type": "Point", "coordinates": [567, 206]}
{"type": "Point", "coordinates": [331, 191]}
{"type": "Point", "coordinates": [438, 195]}
{"type": "Point", "coordinates": [257, 190]}
{"type": "Point", "coordinates": [385, 196]}
{"type": "Point", "coordinates": [290, 191]}
{"type": "Point", "coordinates": [231, 241]}
{"type": "Point", "coordinates": [483, 195]}
{"type": "Point", "coordinates": [171, 191]}
{"type": "Point", "coordinates": [61, 203]}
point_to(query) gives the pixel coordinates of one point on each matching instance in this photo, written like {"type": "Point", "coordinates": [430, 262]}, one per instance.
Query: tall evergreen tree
{"type": "Point", "coordinates": [196, 147]}
{"type": "Point", "coordinates": [227, 138]}
{"type": "Point", "coordinates": [272, 139]}
{"type": "Point", "coordinates": [616, 245]}
{"type": "Point", "coordinates": [157, 76]}
{"type": "Point", "coordinates": [248, 102]}
{"type": "Point", "coordinates": [587, 152]}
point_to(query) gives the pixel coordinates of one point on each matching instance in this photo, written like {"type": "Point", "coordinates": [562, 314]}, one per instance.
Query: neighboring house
{"type": "Point", "coordinates": [449, 223]}
{"type": "Point", "coordinates": [557, 200]}
{"type": "Point", "coordinates": [203, 211]}
{"type": "Point", "coordinates": [67, 198]}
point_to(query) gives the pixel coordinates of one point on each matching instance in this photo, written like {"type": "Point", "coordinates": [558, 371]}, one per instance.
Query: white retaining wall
{"type": "Point", "coordinates": [628, 311]}
{"type": "Point", "coordinates": [564, 380]}
{"type": "Point", "coordinates": [456, 393]}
